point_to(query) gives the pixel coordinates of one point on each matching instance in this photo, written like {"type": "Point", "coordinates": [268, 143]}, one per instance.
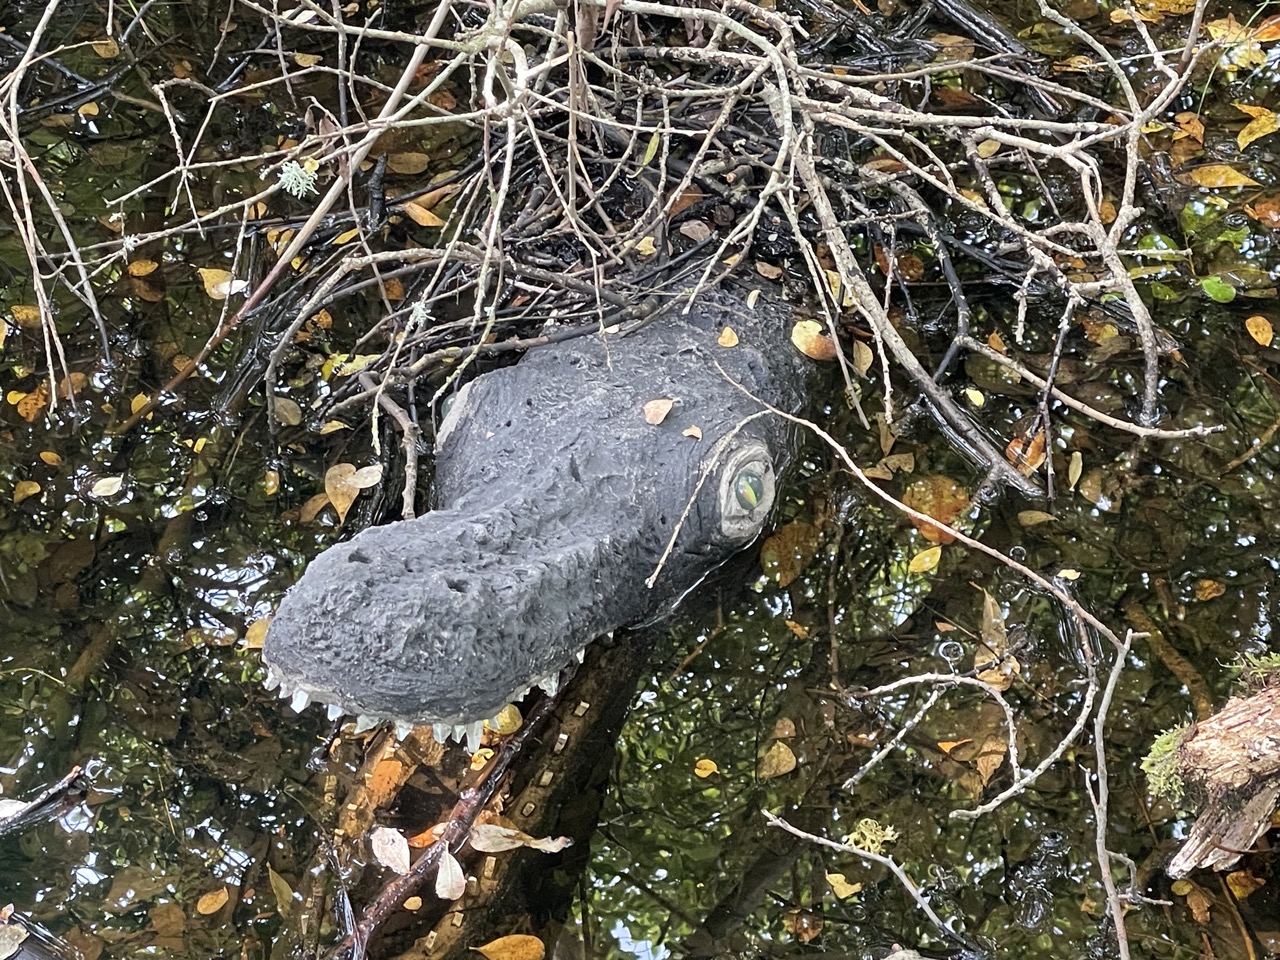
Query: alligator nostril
{"type": "Point", "coordinates": [356, 556]}
{"type": "Point", "coordinates": [457, 586]}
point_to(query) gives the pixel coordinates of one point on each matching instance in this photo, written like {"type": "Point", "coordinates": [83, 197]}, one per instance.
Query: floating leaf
{"type": "Point", "coordinates": [282, 891]}
{"type": "Point", "coordinates": [1075, 466]}
{"type": "Point", "coordinates": [841, 887]}
{"type": "Point", "coordinates": [256, 633]}
{"type": "Point", "coordinates": [287, 411]}
{"type": "Point", "coordinates": [862, 357]}
{"type": "Point", "coordinates": [1216, 175]}
{"type": "Point", "coordinates": [803, 924]}
{"type": "Point", "coordinates": [1217, 289]}
{"type": "Point", "coordinates": [408, 163]}
{"type": "Point", "coordinates": [645, 247]}
{"type": "Point", "coordinates": [50, 458]}
{"type": "Point", "coordinates": [778, 761]}
{"type": "Point", "coordinates": [705, 768]}
{"type": "Point", "coordinates": [495, 838]}
{"type": "Point", "coordinates": [1259, 328]}
{"type": "Point", "coordinates": [106, 49]}
{"type": "Point", "coordinates": [809, 337]}
{"type": "Point", "coordinates": [220, 284]}
{"type": "Point", "coordinates": [142, 268]}
{"type": "Point", "coordinates": [338, 487]}
{"type": "Point", "coordinates": [1264, 122]}
{"type": "Point", "coordinates": [925, 560]}
{"type": "Point", "coordinates": [390, 849]}
{"type": "Point", "coordinates": [451, 883]}
{"type": "Point", "coordinates": [695, 230]}
{"type": "Point", "coordinates": [768, 270]}
{"type": "Point", "coordinates": [346, 236]}
{"type": "Point", "coordinates": [655, 411]}
{"type": "Point", "coordinates": [213, 901]}
{"type": "Point", "coordinates": [1207, 589]}
{"type": "Point", "coordinates": [940, 498]}
{"type": "Point", "coordinates": [421, 215]}
{"type": "Point", "coordinates": [307, 59]}
{"type": "Point", "coordinates": [26, 316]}
{"type": "Point", "coordinates": [107, 487]}
{"type": "Point", "coordinates": [1033, 518]}
{"type": "Point", "coordinates": [1027, 452]}
{"type": "Point", "coordinates": [517, 946]}
{"type": "Point", "coordinates": [25, 489]}
{"type": "Point", "coordinates": [784, 555]}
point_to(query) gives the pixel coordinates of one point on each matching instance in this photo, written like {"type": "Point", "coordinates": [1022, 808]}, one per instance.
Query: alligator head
{"type": "Point", "coordinates": [562, 513]}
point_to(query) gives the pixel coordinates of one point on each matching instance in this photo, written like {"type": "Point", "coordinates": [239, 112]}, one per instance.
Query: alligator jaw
{"type": "Point", "coordinates": [468, 729]}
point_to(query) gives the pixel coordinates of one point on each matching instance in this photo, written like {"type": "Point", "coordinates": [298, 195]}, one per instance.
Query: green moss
{"type": "Point", "coordinates": [1164, 778]}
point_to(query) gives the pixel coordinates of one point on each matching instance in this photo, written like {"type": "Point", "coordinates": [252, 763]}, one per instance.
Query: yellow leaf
{"type": "Point", "coordinates": [341, 491]}
{"type": "Point", "coordinates": [778, 761]}
{"type": "Point", "coordinates": [810, 339]}
{"type": "Point", "coordinates": [24, 489]}
{"type": "Point", "coordinates": [50, 458]}
{"type": "Point", "coordinates": [694, 431]}
{"type": "Point", "coordinates": [26, 316]}
{"type": "Point", "coordinates": [1215, 175]}
{"type": "Point", "coordinates": [307, 59]}
{"type": "Point", "coordinates": [925, 560]}
{"type": "Point", "coordinates": [646, 247]}
{"type": "Point", "coordinates": [1209, 590]}
{"type": "Point", "coordinates": [1032, 518]}
{"type": "Point", "coordinates": [784, 555]}
{"type": "Point", "coordinates": [1264, 122]}
{"type": "Point", "coordinates": [988, 148]}
{"type": "Point", "coordinates": [655, 411]}
{"type": "Point", "coordinates": [283, 892]}
{"type": "Point", "coordinates": [705, 768]}
{"type": "Point", "coordinates": [271, 483]}
{"type": "Point", "coordinates": [30, 404]}
{"type": "Point", "coordinates": [517, 946]}
{"type": "Point", "coordinates": [975, 397]}
{"type": "Point", "coordinates": [507, 721]}
{"type": "Point", "coordinates": [728, 337]}
{"type": "Point", "coordinates": [219, 284]}
{"type": "Point", "coordinates": [256, 633]}
{"type": "Point", "coordinates": [140, 268]}
{"type": "Point", "coordinates": [311, 509]}
{"type": "Point", "coordinates": [421, 215]}
{"type": "Point", "coordinates": [106, 49]}
{"type": "Point", "coordinates": [841, 887]}
{"type": "Point", "coordinates": [1259, 328]}
{"type": "Point", "coordinates": [213, 901]}
{"type": "Point", "coordinates": [346, 236]}
{"type": "Point", "coordinates": [862, 357]}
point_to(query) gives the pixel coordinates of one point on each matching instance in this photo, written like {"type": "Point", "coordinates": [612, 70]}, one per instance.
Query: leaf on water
{"type": "Point", "coordinates": [1075, 467]}
{"type": "Point", "coordinates": [1259, 328]}
{"type": "Point", "coordinates": [220, 284]}
{"type": "Point", "coordinates": [1207, 589]}
{"type": "Point", "coordinates": [213, 901]}
{"type": "Point", "coordinates": [841, 887]}
{"type": "Point", "coordinates": [862, 357]}
{"type": "Point", "coordinates": [421, 215]}
{"type": "Point", "coordinates": [705, 768]}
{"type": "Point", "coordinates": [311, 509]}
{"type": "Point", "coordinates": [366, 477]}
{"type": "Point", "coordinates": [390, 849]}
{"type": "Point", "coordinates": [778, 761]}
{"type": "Point", "coordinates": [345, 237]}
{"type": "Point", "coordinates": [784, 555]}
{"type": "Point", "coordinates": [50, 458]}
{"type": "Point", "coordinates": [141, 268]}
{"type": "Point", "coordinates": [1215, 175]}
{"type": "Point", "coordinates": [517, 946]}
{"type": "Point", "coordinates": [728, 337]}
{"type": "Point", "coordinates": [940, 498]}
{"type": "Point", "coordinates": [25, 316]}
{"type": "Point", "coordinates": [1264, 122]}
{"type": "Point", "coordinates": [451, 883]}
{"type": "Point", "coordinates": [305, 60]}
{"type": "Point", "coordinates": [11, 937]}
{"type": "Point", "coordinates": [809, 337]}
{"type": "Point", "coordinates": [1028, 452]}
{"type": "Point", "coordinates": [106, 49]}
{"type": "Point", "coordinates": [497, 838]}
{"type": "Point", "coordinates": [256, 633]}
{"type": "Point", "coordinates": [107, 487]}
{"type": "Point", "coordinates": [803, 924]}
{"type": "Point", "coordinates": [408, 164]}
{"type": "Point", "coordinates": [282, 891]}
{"type": "Point", "coordinates": [975, 397]}
{"type": "Point", "coordinates": [1217, 289]}
{"type": "Point", "coordinates": [341, 491]}
{"type": "Point", "coordinates": [1033, 518]}
{"type": "Point", "coordinates": [655, 411]}
{"type": "Point", "coordinates": [25, 489]}
{"type": "Point", "coordinates": [287, 411]}
{"type": "Point", "coordinates": [925, 560]}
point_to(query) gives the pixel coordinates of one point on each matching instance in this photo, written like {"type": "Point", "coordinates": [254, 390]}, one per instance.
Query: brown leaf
{"type": "Point", "coordinates": [938, 497]}
{"type": "Point", "coordinates": [517, 946]}
{"type": "Point", "coordinates": [1216, 175]}
{"type": "Point", "coordinates": [1209, 589]}
{"type": "Point", "coordinates": [408, 163]}
{"type": "Point", "coordinates": [1259, 328]}
{"type": "Point", "coordinates": [421, 215]}
{"type": "Point", "coordinates": [1027, 453]}
{"type": "Point", "coordinates": [213, 901]}
{"type": "Point", "coordinates": [24, 489]}
{"type": "Point", "coordinates": [809, 337]}
{"type": "Point", "coordinates": [655, 411]}
{"type": "Point", "coordinates": [140, 268]}
{"type": "Point", "coordinates": [341, 491]}
{"type": "Point", "coordinates": [778, 761]}
{"type": "Point", "coordinates": [784, 555]}
{"type": "Point", "coordinates": [1264, 122]}
{"type": "Point", "coordinates": [804, 925]}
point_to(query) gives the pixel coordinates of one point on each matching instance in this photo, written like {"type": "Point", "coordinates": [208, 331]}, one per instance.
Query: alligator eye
{"type": "Point", "coordinates": [748, 488]}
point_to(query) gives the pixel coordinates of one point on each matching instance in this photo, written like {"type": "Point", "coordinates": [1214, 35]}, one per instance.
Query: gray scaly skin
{"type": "Point", "coordinates": [555, 500]}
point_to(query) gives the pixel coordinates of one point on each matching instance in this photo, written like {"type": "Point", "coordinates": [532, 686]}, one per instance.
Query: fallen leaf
{"type": "Point", "coordinates": [256, 633]}
{"type": "Point", "coordinates": [695, 230]}
{"type": "Point", "coordinates": [24, 489]}
{"type": "Point", "coordinates": [451, 883]}
{"type": "Point", "coordinates": [809, 337]}
{"type": "Point", "coordinates": [141, 268]}
{"type": "Point", "coordinates": [50, 458]}
{"type": "Point", "coordinates": [213, 901]}
{"type": "Point", "coordinates": [655, 411]}
{"type": "Point", "coordinates": [286, 411]}
{"type": "Point", "coordinates": [281, 890]}
{"type": "Point", "coordinates": [1075, 467]}
{"type": "Point", "coordinates": [517, 946]}
{"type": "Point", "coordinates": [220, 284]}
{"type": "Point", "coordinates": [1259, 328]}
{"type": "Point", "coordinates": [421, 215]}
{"type": "Point", "coordinates": [390, 849]}
{"type": "Point", "coordinates": [1027, 453]}
{"type": "Point", "coordinates": [1207, 589]}
{"type": "Point", "coordinates": [804, 925]}
{"type": "Point", "coordinates": [507, 721]}
{"type": "Point", "coordinates": [305, 60]}
{"type": "Point", "coordinates": [25, 316]}
{"type": "Point", "coordinates": [106, 49]}
{"type": "Point", "coordinates": [925, 560]}
{"type": "Point", "coordinates": [107, 487]}
{"type": "Point", "coordinates": [862, 357]}
{"type": "Point", "coordinates": [727, 338]}
{"type": "Point", "coordinates": [778, 761]}
{"type": "Point", "coordinates": [341, 491]}
{"type": "Point", "coordinates": [768, 270]}
{"type": "Point", "coordinates": [496, 838]}
{"type": "Point", "coordinates": [408, 164]}
{"type": "Point", "coordinates": [784, 555]}
{"type": "Point", "coordinates": [705, 768]}
{"type": "Point", "coordinates": [938, 497]}
{"type": "Point", "coordinates": [345, 237]}
{"type": "Point", "coordinates": [1215, 175]}
{"type": "Point", "coordinates": [1033, 518]}
{"type": "Point", "coordinates": [841, 887]}
{"type": "Point", "coordinates": [1264, 122]}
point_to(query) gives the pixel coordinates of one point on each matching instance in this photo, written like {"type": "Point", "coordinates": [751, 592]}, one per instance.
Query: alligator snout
{"type": "Point", "coordinates": [563, 512]}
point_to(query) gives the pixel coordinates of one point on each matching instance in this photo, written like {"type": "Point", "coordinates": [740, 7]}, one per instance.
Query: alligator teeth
{"type": "Point", "coordinates": [273, 679]}
{"type": "Point", "coordinates": [440, 731]}
{"type": "Point", "coordinates": [475, 733]}
{"type": "Point", "coordinates": [365, 722]}
{"type": "Point", "coordinates": [581, 654]}
{"type": "Point", "coordinates": [550, 683]}
{"type": "Point", "coordinates": [301, 700]}
{"type": "Point", "coordinates": [335, 710]}
{"type": "Point", "coordinates": [459, 732]}
{"type": "Point", "coordinates": [403, 729]}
